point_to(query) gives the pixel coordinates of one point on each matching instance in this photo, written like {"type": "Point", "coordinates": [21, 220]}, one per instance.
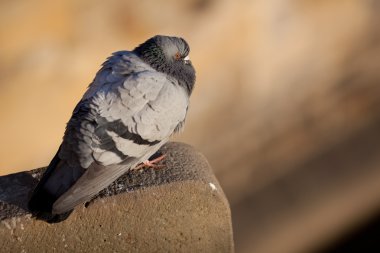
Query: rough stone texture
{"type": "Point", "coordinates": [179, 208]}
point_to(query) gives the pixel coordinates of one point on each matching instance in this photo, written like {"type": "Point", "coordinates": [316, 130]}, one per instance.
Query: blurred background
{"type": "Point", "coordinates": [286, 106]}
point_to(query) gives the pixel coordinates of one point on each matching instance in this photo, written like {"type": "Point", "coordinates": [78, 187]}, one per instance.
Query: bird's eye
{"type": "Point", "coordinates": [177, 56]}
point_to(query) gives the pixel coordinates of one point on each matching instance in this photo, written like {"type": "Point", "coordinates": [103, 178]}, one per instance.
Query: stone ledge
{"type": "Point", "coordinates": [180, 208]}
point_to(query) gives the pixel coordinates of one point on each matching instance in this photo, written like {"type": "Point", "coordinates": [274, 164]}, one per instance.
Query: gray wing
{"type": "Point", "coordinates": [127, 114]}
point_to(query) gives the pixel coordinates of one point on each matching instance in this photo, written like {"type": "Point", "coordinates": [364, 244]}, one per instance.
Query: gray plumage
{"type": "Point", "coordinates": [137, 100]}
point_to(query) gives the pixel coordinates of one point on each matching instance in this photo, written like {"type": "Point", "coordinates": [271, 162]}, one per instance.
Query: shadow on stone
{"type": "Point", "coordinates": [15, 190]}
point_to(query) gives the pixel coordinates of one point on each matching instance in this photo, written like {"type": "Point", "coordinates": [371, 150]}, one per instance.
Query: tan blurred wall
{"type": "Point", "coordinates": [51, 50]}
{"type": "Point", "coordinates": [247, 54]}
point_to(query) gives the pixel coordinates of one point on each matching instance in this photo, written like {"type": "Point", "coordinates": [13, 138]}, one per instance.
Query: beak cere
{"type": "Point", "coordinates": [187, 59]}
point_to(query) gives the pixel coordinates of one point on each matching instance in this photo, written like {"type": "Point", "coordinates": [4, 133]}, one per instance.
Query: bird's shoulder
{"type": "Point", "coordinates": [122, 68]}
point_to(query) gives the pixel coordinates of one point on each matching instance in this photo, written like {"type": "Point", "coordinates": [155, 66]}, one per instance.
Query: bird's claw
{"type": "Point", "coordinates": [152, 164]}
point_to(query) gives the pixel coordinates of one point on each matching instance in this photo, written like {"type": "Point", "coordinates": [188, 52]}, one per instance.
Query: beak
{"type": "Point", "coordinates": [187, 59]}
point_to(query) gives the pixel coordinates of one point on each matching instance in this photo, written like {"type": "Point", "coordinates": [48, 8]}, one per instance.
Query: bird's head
{"type": "Point", "coordinates": [169, 55]}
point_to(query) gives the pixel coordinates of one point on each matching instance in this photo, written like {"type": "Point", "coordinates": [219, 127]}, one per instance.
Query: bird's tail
{"type": "Point", "coordinates": [57, 179]}
{"type": "Point", "coordinates": [93, 180]}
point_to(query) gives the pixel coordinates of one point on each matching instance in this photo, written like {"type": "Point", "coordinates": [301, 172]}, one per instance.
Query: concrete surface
{"type": "Point", "coordinates": [179, 208]}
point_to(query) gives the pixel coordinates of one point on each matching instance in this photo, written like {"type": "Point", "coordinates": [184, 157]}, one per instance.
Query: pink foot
{"type": "Point", "coordinates": [152, 164]}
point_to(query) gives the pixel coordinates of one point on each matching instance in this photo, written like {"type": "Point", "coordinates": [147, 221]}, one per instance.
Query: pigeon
{"type": "Point", "coordinates": [137, 100]}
